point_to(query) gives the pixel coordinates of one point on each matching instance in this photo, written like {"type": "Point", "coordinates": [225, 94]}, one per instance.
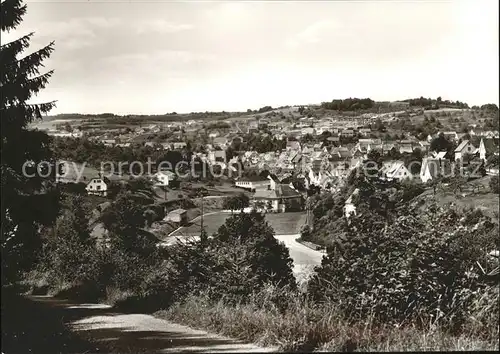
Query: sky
{"type": "Point", "coordinates": [154, 57]}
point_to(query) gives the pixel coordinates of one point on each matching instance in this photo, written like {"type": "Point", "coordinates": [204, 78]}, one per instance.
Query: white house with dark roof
{"type": "Point", "coordinates": [164, 178]}
{"type": "Point", "coordinates": [463, 149]}
{"type": "Point", "coordinates": [97, 186]}
{"type": "Point", "coordinates": [395, 170]}
{"type": "Point", "coordinates": [278, 197]}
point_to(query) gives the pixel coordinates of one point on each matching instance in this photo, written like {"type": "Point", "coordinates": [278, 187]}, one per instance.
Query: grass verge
{"type": "Point", "coordinates": [307, 327]}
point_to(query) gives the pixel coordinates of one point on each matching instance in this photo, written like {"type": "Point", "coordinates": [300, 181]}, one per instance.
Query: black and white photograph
{"type": "Point", "coordinates": [224, 176]}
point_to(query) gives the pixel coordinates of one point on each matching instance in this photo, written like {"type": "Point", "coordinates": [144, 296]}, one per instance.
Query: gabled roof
{"type": "Point", "coordinates": [490, 145]}
{"type": "Point", "coordinates": [436, 166]}
{"type": "Point", "coordinates": [220, 140]}
{"type": "Point", "coordinates": [391, 167]}
{"type": "Point", "coordinates": [440, 155]}
{"type": "Point", "coordinates": [293, 145]}
{"type": "Point", "coordinates": [297, 158]}
{"type": "Point", "coordinates": [462, 146]}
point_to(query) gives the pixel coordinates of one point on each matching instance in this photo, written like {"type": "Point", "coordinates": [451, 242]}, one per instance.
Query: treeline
{"type": "Point", "coordinates": [349, 104]}
{"type": "Point", "coordinates": [168, 117]}
{"type": "Point", "coordinates": [430, 103]}
{"type": "Point", "coordinates": [82, 150]}
{"type": "Point", "coordinates": [257, 142]}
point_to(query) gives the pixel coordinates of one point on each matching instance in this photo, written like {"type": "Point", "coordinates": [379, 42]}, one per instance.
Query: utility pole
{"type": "Point", "coordinates": [202, 192]}
{"type": "Point", "coordinates": [201, 223]}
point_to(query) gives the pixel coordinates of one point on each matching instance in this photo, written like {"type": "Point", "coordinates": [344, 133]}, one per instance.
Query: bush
{"type": "Point", "coordinates": [494, 184]}
{"type": "Point", "coordinates": [413, 270]}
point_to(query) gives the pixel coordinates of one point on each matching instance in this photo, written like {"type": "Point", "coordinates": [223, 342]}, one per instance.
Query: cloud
{"type": "Point", "coordinates": [158, 62]}
{"type": "Point", "coordinates": [161, 26]}
{"type": "Point", "coordinates": [312, 34]}
{"type": "Point", "coordinates": [71, 34]}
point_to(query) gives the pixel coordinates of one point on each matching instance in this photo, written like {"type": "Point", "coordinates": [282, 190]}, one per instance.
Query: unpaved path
{"type": "Point", "coordinates": [139, 333]}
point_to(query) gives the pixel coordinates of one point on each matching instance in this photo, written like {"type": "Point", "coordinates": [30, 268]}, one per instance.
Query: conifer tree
{"type": "Point", "coordinates": [25, 200]}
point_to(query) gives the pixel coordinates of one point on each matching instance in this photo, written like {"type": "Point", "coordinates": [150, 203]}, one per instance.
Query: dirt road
{"type": "Point", "coordinates": [139, 333]}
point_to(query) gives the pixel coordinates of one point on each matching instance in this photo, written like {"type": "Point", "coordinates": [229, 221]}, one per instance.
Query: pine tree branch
{"type": "Point", "coordinates": [12, 13]}
{"type": "Point", "coordinates": [26, 67]}
{"type": "Point", "coordinates": [22, 90]}
{"type": "Point", "coordinates": [9, 51]}
{"type": "Point", "coordinates": [28, 112]}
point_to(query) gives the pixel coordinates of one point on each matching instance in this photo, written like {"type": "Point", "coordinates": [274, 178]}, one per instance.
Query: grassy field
{"type": "Point", "coordinates": [282, 223]}
{"type": "Point", "coordinates": [475, 194]}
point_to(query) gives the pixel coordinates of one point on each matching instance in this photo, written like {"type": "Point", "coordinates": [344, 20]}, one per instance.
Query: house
{"type": "Point", "coordinates": [487, 147]}
{"type": "Point", "coordinates": [333, 139]}
{"type": "Point", "coordinates": [98, 186]}
{"type": "Point", "coordinates": [179, 145]}
{"type": "Point", "coordinates": [252, 185]}
{"type": "Point", "coordinates": [166, 146]}
{"type": "Point", "coordinates": [465, 148]}
{"type": "Point", "coordinates": [424, 146]}
{"type": "Point", "coordinates": [365, 131]}
{"type": "Point", "coordinates": [433, 167]}
{"type": "Point", "coordinates": [439, 155]}
{"type": "Point", "coordinates": [219, 142]}
{"type": "Point", "coordinates": [405, 147]}
{"type": "Point", "coordinates": [395, 170]}
{"type": "Point", "coordinates": [217, 156]}
{"type": "Point", "coordinates": [109, 142]}
{"type": "Point", "coordinates": [293, 145]}
{"type": "Point", "coordinates": [348, 133]}
{"type": "Point", "coordinates": [278, 198]}
{"type": "Point", "coordinates": [318, 147]}
{"type": "Point", "coordinates": [349, 207]}
{"type": "Point", "coordinates": [178, 216]}
{"type": "Point", "coordinates": [308, 130]}
{"type": "Point", "coordinates": [164, 178]}
{"type": "Point", "coordinates": [451, 136]}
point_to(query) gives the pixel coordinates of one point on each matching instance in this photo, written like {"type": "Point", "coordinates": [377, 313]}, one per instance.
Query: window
{"type": "Point", "coordinates": [98, 188]}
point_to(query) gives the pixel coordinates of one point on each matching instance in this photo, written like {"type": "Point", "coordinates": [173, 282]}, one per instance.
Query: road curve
{"type": "Point", "coordinates": [139, 333]}
{"type": "Point", "coordinates": [304, 258]}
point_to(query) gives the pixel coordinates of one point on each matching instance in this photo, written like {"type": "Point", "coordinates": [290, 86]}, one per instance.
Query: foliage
{"type": "Point", "coordinates": [440, 143]}
{"type": "Point", "coordinates": [414, 269]}
{"type": "Point", "coordinates": [494, 184]}
{"type": "Point", "coordinates": [20, 80]}
{"type": "Point", "coordinates": [69, 251]}
{"type": "Point", "coordinates": [349, 104]}
{"type": "Point", "coordinates": [237, 202]}
{"type": "Point", "coordinates": [429, 103]}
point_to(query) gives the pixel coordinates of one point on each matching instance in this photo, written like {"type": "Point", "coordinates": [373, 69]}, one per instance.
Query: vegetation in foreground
{"type": "Point", "coordinates": [394, 278]}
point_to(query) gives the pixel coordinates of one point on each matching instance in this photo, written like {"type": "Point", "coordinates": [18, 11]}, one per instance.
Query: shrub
{"type": "Point", "coordinates": [494, 184]}
{"type": "Point", "coordinates": [412, 270]}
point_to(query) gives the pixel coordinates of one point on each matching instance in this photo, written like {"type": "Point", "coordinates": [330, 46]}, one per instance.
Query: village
{"type": "Point", "coordinates": [299, 152]}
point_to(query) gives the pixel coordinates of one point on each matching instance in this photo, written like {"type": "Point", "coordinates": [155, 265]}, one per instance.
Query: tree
{"type": "Point", "coordinates": [20, 80]}
{"type": "Point", "coordinates": [442, 144]}
{"type": "Point", "coordinates": [268, 258]}
{"type": "Point", "coordinates": [237, 202]}
{"type": "Point", "coordinates": [70, 250]}
{"type": "Point", "coordinates": [124, 219]}
{"type": "Point", "coordinates": [412, 268]}
{"type": "Point", "coordinates": [494, 184]}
